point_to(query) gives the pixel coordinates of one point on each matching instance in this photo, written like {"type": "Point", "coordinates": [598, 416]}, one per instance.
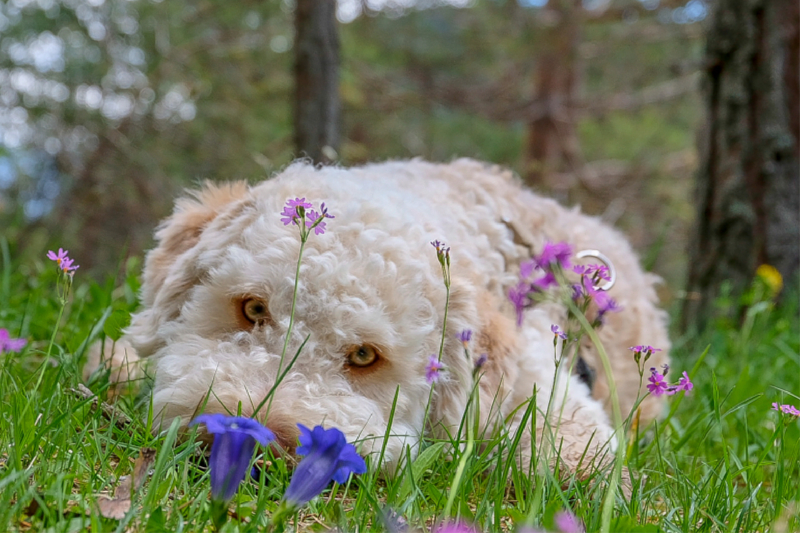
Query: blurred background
{"type": "Point", "coordinates": [675, 120]}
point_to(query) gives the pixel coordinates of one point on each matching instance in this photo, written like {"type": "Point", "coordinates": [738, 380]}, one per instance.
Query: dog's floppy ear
{"type": "Point", "coordinates": [167, 272]}
{"type": "Point", "coordinates": [183, 228]}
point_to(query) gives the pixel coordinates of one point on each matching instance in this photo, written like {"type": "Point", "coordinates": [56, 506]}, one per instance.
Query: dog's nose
{"type": "Point", "coordinates": [286, 432]}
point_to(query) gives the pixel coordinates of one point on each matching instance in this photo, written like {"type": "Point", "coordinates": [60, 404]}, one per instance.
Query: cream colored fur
{"type": "Point", "coordinates": [373, 278]}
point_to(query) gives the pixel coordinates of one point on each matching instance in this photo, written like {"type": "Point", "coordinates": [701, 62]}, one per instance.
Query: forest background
{"type": "Point", "coordinates": [109, 108]}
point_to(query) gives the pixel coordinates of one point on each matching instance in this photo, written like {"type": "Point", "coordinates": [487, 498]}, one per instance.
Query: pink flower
{"type": "Point", "coordinates": [644, 348]}
{"type": "Point", "coordinates": [557, 332]}
{"type": "Point", "coordinates": [457, 527]}
{"type": "Point", "coordinates": [433, 369]}
{"type": "Point", "coordinates": [62, 260]}
{"type": "Point", "coordinates": [57, 257]}
{"type": "Point", "coordinates": [558, 253]}
{"type": "Point", "coordinates": [546, 281]}
{"type": "Point", "coordinates": [685, 384]}
{"type": "Point", "coordinates": [7, 344]}
{"type": "Point", "coordinates": [567, 522]}
{"type": "Point", "coordinates": [519, 297]}
{"type": "Point", "coordinates": [657, 385]}
{"type": "Point", "coordinates": [312, 217]}
{"type": "Point", "coordinates": [786, 409]}
{"type": "Point", "coordinates": [526, 268]}
{"type": "Point", "coordinates": [294, 209]}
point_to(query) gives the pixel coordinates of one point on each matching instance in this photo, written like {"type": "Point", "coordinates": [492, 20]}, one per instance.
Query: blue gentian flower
{"type": "Point", "coordinates": [235, 439]}
{"type": "Point", "coordinates": [328, 457]}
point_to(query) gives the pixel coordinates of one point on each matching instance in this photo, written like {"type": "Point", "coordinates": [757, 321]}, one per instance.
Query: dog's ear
{"type": "Point", "coordinates": [169, 272]}
{"type": "Point", "coordinates": [181, 231]}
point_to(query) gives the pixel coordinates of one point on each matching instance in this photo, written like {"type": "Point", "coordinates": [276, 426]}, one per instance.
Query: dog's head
{"type": "Point", "coordinates": [217, 298]}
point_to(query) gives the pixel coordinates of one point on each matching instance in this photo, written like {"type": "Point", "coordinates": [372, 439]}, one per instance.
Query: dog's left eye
{"type": "Point", "coordinates": [255, 310]}
{"type": "Point", "coordinates": [363, 355]}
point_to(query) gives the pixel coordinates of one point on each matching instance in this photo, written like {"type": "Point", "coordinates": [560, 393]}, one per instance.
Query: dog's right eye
{"type": "Point", "coordinates": [363, 355]}
{"type": "Point", "coordinates": [255, 310]}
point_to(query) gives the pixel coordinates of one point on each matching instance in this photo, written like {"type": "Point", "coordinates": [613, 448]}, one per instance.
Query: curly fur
{"type": "Point", "coordinates": [373, 278]}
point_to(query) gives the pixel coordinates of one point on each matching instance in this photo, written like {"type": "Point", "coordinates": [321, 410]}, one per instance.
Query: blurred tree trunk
{"type": "Point", "coordinates": [552, 144]}
{"type": "Point", "coordinates": [316, 70]}
{"type": "Point", "coordinates": [748, 195]}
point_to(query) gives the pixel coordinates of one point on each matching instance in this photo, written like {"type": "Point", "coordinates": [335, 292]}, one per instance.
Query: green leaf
{"type": "Point", "coordinates": [115, 323]}
{"type": "Point", "coordinates": [423, 462]}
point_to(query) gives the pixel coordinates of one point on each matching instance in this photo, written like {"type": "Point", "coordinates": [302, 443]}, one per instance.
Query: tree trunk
{"type": "Point", "coordinates": [552, 145]}
{"type": "Point", "coordinates": [316, 70]}
{"type": "Point", "coordinates": [748, 195]}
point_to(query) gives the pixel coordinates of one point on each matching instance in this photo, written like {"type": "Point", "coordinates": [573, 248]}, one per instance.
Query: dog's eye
{"type": "Point", "coordinates": [255, 310]}
{"type": "Point", "coordinates": [363, 355]}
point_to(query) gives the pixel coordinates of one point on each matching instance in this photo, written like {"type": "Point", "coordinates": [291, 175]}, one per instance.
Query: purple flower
{"type": "Point", "coordinates": [294, 209]}
{"type": "Point", "coordinates": [685, 384]}
{"type": "Point", "coordinates": [289, 215]}
{"type": "Point", "coordinates": [324, 211]}
{"type": "Point", "coordinates": [7, 344]}
{"type": "Point", "coordinates": [644, 348]}
{"type": "Point", "coordinates": [558, 253]}
{"type": "Point", "coordinates": [557, 332]}
{"type": "Point", "coordinates": [465, 336]}
{"type": "Point", "coordinates": [235, 439]}
{"type": "Point", "coordinates": [328, 457]}
{"type": "Point", "coordinates": [62, 260]}
{"type": "Point", "coordinates": [481, 361]}
{"type": "Point", "coordinates": [519, 297]}
{"type": "Point", "coordinates": [567, 522]}
{"type": "Point", "coordinates": [455, 527]}
{"type": "Point", "coordinates": [546, 281]}
{"type": "Point", "coordinates": [313, 216]}
{"type": "Point", "coordinates": [299, 202]}
{"type": "Point", "coordinates": [432, 370]}
{"type": "Point", "coordinates": [657, 385]}
{"type": "Point", "coordinates": [526, 268]}
{"type": "Point", "coordinates": [786, 409]}
{"type": "Point", "coordinates": [57, 257]}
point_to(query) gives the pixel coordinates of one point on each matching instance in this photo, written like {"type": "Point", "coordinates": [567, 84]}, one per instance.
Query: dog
{"type": "Point", "coordinates": [218, 289]}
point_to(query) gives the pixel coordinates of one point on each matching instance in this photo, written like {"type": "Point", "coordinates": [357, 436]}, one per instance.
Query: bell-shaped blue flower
{"type": "Point", "coordinates": [328, 457]}
{"type": "Point", "coordinates": [235, 439]}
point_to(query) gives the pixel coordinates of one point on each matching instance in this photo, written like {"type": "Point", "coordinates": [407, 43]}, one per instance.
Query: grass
{"type": "Point", "coordinates": [720, 461]}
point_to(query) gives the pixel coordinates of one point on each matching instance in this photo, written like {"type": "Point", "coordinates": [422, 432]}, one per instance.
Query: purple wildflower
{"type": "Point", "coordinates": [519, 297]}
{"type": "Point", "coordinates": [294, 210]}
{"type": "Point", "coordinates": [557, 332]}
{"type": "Point", "coordinates": [481, 361]}
{"type": "Point", "coordinates": [545, 282]}
{"type": "Point", "coordinates": [567, 522]}
{"type": "Point", "coordinates": [455, 527]}
{"type": "Point", "coordinates": [234, 441]}
{"type": "Point", "coordinates": [685, 384]}
{"type": "Point", "coordinates": [465, 336]}
{"type": "Point", "coordinates": [786, 409]}
{"type": "Point", "coordinates": [657, 385]}
{"type": "Point", "coordinates": [65, 264]}
{"type": "Point", "coordinates": [324, 211]}
{"type": "Point", "coordinates": [328, 457]}
{"type": "Point", "coordinates": [526, 268]}
{"type": "Point", "coordinates": [312, 216]}
{"type": "Point", "coordinates": [289, 215]}
{"type": "Point", "coordinates": [7, 344]}
{"type": "Point", "coordinates": [558, 253]}
{"type": "Point", "coordinates": [432, 370]}
{"type": "Point", "coordinates": [644, 348]}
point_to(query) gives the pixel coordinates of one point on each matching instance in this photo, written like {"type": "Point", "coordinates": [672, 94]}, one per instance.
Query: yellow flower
{"type": "Point", "coordinates": [771, 277]}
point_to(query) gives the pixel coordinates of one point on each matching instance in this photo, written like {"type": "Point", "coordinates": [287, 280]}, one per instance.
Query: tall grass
{"type": "Point", "coordinates": [721, 461]}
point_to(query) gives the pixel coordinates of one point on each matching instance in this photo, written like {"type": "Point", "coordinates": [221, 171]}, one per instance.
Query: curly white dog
{"type": "Point", "coordinates": [217, 299]}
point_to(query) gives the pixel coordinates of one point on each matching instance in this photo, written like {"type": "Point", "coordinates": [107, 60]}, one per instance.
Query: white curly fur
{"type": "Point", "coordinates": [374, 278]}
